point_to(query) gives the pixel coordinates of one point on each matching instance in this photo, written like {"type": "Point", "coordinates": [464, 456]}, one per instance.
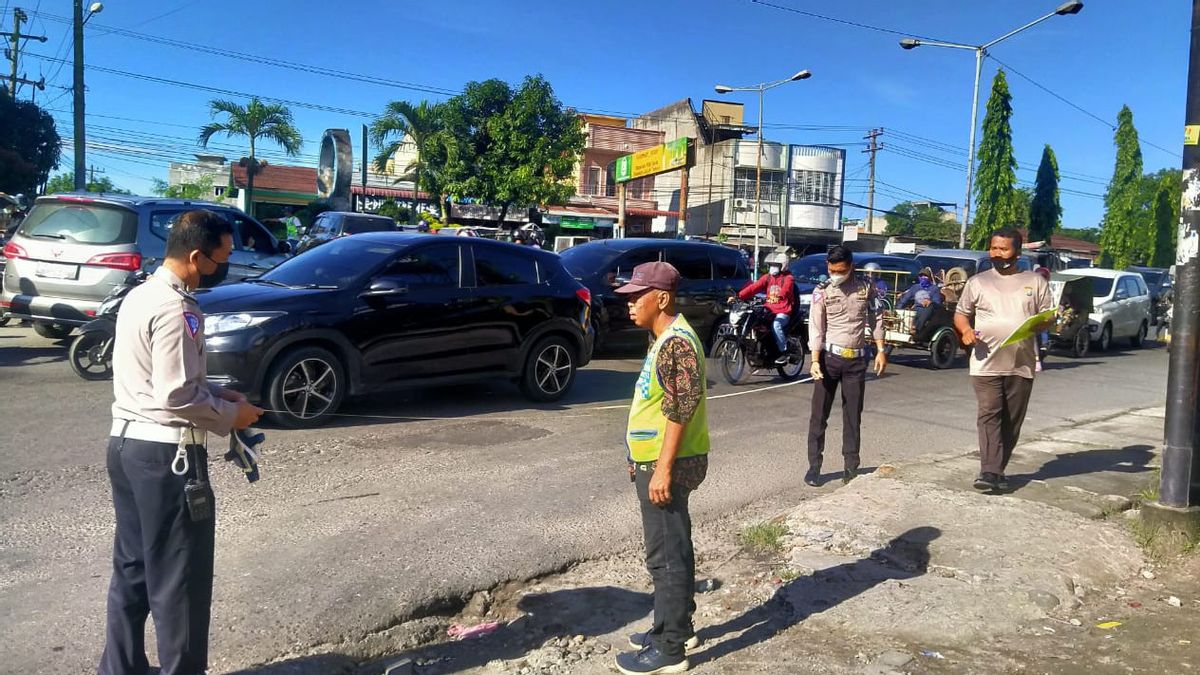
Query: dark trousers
{"type": "Point", "coordinates": [162, 563]}
{"type": "Point", "coordinates": [852, 375]}
{"type": "Point", "coordinates": [672, 564]}
{"type": "Point", "coordinates": [1003, 400]}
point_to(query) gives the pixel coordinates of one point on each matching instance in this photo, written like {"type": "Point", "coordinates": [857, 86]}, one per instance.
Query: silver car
{"type": "Point", "coordinates": [72, 249]}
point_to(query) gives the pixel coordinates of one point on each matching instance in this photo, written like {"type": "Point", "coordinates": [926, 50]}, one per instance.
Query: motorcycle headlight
{"type": "Point", "coordinates": [217, 324]}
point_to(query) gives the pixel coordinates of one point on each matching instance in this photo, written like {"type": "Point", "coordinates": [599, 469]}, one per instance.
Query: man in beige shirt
{"type": "Point", "coordinates": [998, 301]}
{"type": "Point", "coordinates": [837, 325]}
{"type": "Point", "coordinates": [157, 462]}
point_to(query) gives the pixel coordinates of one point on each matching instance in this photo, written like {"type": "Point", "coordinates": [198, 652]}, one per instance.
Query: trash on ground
{"type": "Point", "coordinates": [1108, 625]}
{"type": "Point", "coordinates": [461, 632]}
{"type": "Point", "coordinates": [1135, 604]}
{"type": "Point", "coordinates": [1174, 601]}
{"type": "Point", "coordinates": [932, 654]}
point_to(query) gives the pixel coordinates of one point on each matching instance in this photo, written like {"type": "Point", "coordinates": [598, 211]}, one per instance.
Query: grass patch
{"type": "Point", "coordinates": [788, 574]}
{"type": "Point", "coordinates": [764, 537]}
{"type": "Point", "coordinates": [1160, 543]}
{"type": "Point", "coordinates": [1149, 493]}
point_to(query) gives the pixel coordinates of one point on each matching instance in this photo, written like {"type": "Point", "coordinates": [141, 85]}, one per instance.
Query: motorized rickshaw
{"type": "Point", "coordinates": [1072, 295]}
{"type": "Point", "coordinates": [936, 335]}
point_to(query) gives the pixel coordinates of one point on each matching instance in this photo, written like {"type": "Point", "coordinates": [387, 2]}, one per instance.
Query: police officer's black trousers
{"type": "Point", "coordinates": [671, 561]}
{"type": "Point", "coordinates": [851, 374]}
{"type": "Point", "coordinates": [162, 564]}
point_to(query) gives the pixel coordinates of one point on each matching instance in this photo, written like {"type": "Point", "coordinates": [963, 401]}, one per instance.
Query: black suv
{"type": "Point", "coordinates": [710, 274]}
{"type": "Point", "coordinates": [330, 225]}
{"type": "Point", "coordinates": [378, 310]}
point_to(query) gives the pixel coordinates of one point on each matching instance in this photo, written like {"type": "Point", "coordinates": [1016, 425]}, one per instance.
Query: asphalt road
{"type": "Point", "coordinates": [426, 494]}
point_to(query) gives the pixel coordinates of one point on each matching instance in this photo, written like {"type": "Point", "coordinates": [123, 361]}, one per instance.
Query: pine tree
{"type": "Point", "coordinates": [1045, 213]}
{"type": "Point", "coordinates": [995, 193]}
{"type": "Point", "coordinates": [1165, 217]}
{"type": "Point", "coordinates": [1124, 217]}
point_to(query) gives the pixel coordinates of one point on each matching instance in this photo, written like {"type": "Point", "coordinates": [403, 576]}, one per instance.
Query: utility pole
{"type": "Point", "coordinates": [92, 171]}
{"type": "Point", "coordinates": [871, 150]}
{"type": "Point", "coordinates": [1178, 507]}
{"type": "Point", "coordinates": [80, 139]}
{"type": "Point", "coordinates": [14, 53]}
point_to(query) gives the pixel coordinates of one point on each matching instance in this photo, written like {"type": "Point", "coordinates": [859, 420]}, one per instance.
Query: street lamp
{"type": "Point", "coordinates": [761, 89]}
{"type": "Point", "coordinates": [1065, 9]}
{"type": "Point", "coordinates": [80, 138]}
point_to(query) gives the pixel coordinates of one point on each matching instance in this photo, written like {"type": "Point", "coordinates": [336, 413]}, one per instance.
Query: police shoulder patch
{"type": "Point", "coordinates": [192, 322]}
{"type": "Point", "coordinates": [818, 294]}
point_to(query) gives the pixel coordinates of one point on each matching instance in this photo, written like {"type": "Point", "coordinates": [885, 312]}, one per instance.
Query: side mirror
{"type": "Point", "coordinates": [285, 247]}
{"type": "Point", "coordinates": [620, 281]}
{"type": "Point", "coordinates": [382, 288]}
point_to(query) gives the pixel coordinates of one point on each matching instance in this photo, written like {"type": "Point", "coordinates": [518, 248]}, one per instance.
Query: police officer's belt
{"type": "Point", "coordinates": [145, 431]}
{"type": "Point", "coordinates": [844, 352]}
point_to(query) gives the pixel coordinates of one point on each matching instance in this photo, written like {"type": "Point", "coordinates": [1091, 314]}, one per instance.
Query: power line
{"type": "Point", "coordinates": [845, 22]}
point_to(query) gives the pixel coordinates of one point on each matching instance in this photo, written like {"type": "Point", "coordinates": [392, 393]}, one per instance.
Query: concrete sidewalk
{"type": "Point", "coordinates": [907, 569]}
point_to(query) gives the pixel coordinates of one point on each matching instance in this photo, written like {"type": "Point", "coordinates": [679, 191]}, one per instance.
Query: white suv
{"type": "Point", "coordinates": [1120, 306]}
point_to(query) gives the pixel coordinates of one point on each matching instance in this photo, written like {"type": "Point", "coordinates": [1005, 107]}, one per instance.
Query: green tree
{"type": "Point", "coordinates": [255, 121]}
{"type": "Point", "coordinates": [391, 209]}
{"type": "Point", "coordinates": [1045, 211]}
{"type": "Point", "coordinates": [1124, 213]}
{"type": "Point", "coordinates": [509, 147]}
{"type": "Point", "coordinates": [1091, 234]}
{"type": "Point", "coordinates": [1163, 191]}
{"type": "Point", "coordinates": [996, 178]}
{"type": "Point", "coordinates": [422, 125]}
{"type": "Point", "coordinates": [201, 189]}
{"type": "Point", "coordinates": [922, 221]}
{"type": "Point", "coordinates": [65, 182]}
{"type": "Point", "coordinates": [1022, 204]}
{"type": "Point", "coordinates": [29, 146]}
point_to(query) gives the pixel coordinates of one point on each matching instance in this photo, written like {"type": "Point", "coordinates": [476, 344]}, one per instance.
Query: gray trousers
{"type": "Point", "coordinates": [1003, 400]}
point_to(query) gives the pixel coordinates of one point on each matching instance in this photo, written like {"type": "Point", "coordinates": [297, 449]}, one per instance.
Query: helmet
{"type": "Point", "coordinates": [872, 267]}
{"type": "Point", "coordinates": [780, 259]}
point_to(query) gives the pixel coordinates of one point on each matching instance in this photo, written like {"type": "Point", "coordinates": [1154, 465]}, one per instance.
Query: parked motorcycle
{"type": "Point", "coordinates": [747, 343]}
{"type": "Point", "coordinates": [90, 353]}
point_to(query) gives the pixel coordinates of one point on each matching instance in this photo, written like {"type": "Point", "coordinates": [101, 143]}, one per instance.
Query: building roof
{"type": "Point", "coordinates": [1061, 243]}
{"type": "Point", "coordinates": [280, 178]}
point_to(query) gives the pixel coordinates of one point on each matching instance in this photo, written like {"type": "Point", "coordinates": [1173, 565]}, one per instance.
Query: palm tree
{"type": "Point", "coordinates": [422, 125]}
{"type": "Point", "coordinates": [270, 121]}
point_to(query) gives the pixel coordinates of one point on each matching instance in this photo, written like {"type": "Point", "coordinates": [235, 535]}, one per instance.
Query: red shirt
{"type": "Point", "coordinates": [779, 290]}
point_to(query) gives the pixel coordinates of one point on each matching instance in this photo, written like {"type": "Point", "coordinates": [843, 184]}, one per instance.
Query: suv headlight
{"type": "Point", "coordinates": [218, 324]}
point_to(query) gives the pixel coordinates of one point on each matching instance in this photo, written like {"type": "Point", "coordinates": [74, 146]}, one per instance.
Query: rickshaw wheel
{"type": "Point", "coordinates": [943, 349]}
{"type": "Point", "coordinates": [1081, 344]}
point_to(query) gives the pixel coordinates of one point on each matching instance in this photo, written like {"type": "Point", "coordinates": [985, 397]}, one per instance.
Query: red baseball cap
{"type": "Point", "coordinates": [657, 275]}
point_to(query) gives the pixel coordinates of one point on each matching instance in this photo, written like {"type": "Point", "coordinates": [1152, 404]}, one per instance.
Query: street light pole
{"type": "Point", "coordinates": [1065, 9]}
{"type": "Point", "coordinates": [761, 89]}
{"type": "Point", "coordinates": [758, 179]}
{"type": "Point", "coordinates": [77, 89]}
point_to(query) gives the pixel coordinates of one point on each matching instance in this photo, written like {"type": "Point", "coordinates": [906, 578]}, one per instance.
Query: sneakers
{"type": "Point", "coordinates": [1002, 482]}
{"type": "Point", "coordinates": [642, 640]}
{"type": "Point", "coordinates": [987, 481]}
{"type": "Point", "coordinates": [650, 661]}
{"type": "Point", "coordinates": [813, 477]}
{"type": "Point", "coordinates": [849, 474]}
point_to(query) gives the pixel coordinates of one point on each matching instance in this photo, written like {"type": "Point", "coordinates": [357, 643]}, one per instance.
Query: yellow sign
{"type": "Point", "coordinates": [660, 158]}
{"type": "Point", "coordinates": [1191, 134]}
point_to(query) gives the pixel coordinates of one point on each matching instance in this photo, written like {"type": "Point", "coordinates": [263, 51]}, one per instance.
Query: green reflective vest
{"type": "Point", "coordinates": [647, 424]}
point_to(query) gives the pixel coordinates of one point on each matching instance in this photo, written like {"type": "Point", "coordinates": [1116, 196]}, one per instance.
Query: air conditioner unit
{"type": "Point", "coordinates": [740, 203]}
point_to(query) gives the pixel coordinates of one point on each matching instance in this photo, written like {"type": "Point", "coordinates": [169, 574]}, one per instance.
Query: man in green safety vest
{"type": "Point", "coordinates": [667, 438]}
{"type": "Point", "coordinates": [293, 225]}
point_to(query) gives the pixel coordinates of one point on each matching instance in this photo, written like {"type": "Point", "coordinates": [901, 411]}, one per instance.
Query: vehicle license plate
{"type": "Point", "coordinates": [49, 270]}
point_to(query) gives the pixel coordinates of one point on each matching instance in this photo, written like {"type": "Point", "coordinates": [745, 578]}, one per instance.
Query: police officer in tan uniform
{"type": "Point", "coordinates": [841, 307]}
{"type": "Point", "coordinates": [157, 462]}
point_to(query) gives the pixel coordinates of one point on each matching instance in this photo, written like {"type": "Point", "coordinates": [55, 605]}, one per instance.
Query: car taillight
{"type": "Point", "coordinates": [585, 295]}
{"type": "Point", "coordinates": [13, 251]}
{"type": "Point", "coordinates": [128, 262]}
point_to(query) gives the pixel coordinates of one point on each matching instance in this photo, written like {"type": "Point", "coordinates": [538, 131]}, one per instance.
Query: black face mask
{"type": "Point", "coordinates": [213, 280]}
{"type": "Point", "coordinates": [1003, 264]}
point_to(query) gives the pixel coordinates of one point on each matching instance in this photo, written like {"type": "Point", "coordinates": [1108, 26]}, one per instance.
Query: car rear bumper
{"type": "Point", "coordinates": [69, 312]}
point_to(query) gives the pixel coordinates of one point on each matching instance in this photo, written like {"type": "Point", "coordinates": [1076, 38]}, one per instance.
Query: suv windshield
{"type": "Point", "coordinates": [1101, 286]}
{"type": "Point", "coordinates": [583, 261]}
{"type": "Point", "coordinates": [97, 224]}
{"type": "Point", "coordinates": [1152, 277]}
{"type": "Point", "coordinates": [340, 263]}
{"type": "Point", "coordinates": [812, 269]}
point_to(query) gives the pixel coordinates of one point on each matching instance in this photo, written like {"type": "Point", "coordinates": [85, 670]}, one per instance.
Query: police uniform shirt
{"type": "Point", "coordinates": [839, 315]}
{"type": "Point", "coordinates": [159, 371]}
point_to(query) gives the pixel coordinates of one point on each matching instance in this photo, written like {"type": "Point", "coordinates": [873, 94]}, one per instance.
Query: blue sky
{"type": "Point", "coordinates": [632, 57]}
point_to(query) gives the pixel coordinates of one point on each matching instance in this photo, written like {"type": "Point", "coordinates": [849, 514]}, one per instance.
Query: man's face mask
{"type": "Point", "coordinates": [774, 270]}
{"type": "Point", "coordinates": [1003, 264]}
{"type": "Point", "coordinates": [213, 280]}
{"type": "Point", "coordinates": [838, 279]}
{"type": "Point", "coordinates": [924, 281]}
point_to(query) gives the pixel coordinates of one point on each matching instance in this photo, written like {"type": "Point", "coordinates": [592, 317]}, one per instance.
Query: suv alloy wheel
{"type": "Point", "coordinates": [305, 388]}
{"type": "Point", "coordinates": [550, 370]}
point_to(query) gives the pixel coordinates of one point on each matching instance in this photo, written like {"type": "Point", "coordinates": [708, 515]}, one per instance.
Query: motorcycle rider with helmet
{"type": "Point", "coordinates": [779, 287]}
